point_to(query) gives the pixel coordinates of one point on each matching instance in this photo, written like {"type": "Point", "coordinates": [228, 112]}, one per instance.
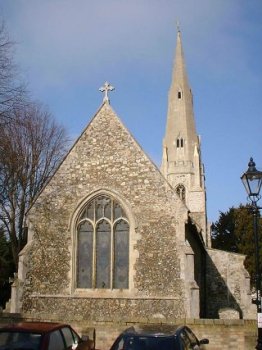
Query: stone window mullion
{"type": "Point", "coordinates": [112, 256]}
{"type": "Point", "coordinates": [102, 256]}
{"type": "Point", "coordinates": [94, 258]}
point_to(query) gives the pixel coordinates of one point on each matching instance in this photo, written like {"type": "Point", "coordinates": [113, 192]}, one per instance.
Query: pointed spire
{"type": "Point", "coordinates": [181, 160]}
{"type": "Point", "coordinates": [181, 138]}
{"type": "Point", "coordinates": [177, 26]}
{"type": "Point", "coordinates": [179, 70]}
{"type": "Point", "coordinates": [181, 134]}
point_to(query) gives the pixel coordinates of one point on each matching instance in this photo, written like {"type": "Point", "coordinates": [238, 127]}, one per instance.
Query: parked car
{"type": "Point", "coordinates": [158, 338]}
{"type": "Point", "coordinates": [42, 336]}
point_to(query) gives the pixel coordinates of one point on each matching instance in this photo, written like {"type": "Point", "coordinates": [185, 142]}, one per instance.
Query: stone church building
{"type": "Point", "coordinates": [113, 237]}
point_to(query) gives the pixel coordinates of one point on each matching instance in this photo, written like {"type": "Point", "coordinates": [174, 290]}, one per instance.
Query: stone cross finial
{"type": "Point", "coordinates": [105, 88]}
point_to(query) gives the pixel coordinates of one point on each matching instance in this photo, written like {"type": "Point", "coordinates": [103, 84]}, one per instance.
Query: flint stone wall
{"type": "Point", "coordinates": [228, 285]}
{"type": "Point", "coordinates": [106, 159]}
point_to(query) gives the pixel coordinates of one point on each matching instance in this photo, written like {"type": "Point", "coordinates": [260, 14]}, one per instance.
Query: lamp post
{"type": "Point", "coordinates": [252, 180]}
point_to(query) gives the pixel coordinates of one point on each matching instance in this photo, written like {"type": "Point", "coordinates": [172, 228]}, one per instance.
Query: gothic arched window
{"type": "Point", "coordinates": [181, 191]}
{"type": "Point", "coordinates": [102, 245]}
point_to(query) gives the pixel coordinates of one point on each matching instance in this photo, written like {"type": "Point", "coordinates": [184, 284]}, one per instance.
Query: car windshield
{"type": "Point", "coordinates": [19, 340]}
{"type": "Point", "coordinates": [145, 343]}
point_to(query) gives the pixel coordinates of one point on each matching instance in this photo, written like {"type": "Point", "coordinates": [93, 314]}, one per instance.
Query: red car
{"type": "Point", "coordinates": [42, 336]}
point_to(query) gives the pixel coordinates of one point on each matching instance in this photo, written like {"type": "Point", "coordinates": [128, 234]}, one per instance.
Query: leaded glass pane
{"type": "Point", "coordinates": [99, 211]}
{"type": "Point", "coordinates": [117, 211]}
{"type": "Point", "coordinates": [103, 254]}
{"type": "Point", "coordinates": [108, 210]}
{"type": "Point", "coordinates": [121, 255]}
{"type": "Point", "coordinates": [85, 255]}
{"type": "Point", "coordinates": [83, 215]}
{"type": "Point", "coordinates": [91, 211]}
{"type": "Point", "coordinates": [108, 272]}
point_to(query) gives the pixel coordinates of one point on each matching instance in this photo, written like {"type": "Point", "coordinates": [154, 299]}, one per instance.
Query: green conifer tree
{"type": "Point", "coordinates": [234, 232]}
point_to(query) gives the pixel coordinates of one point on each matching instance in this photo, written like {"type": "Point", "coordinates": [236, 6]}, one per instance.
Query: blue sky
{"type": "Point", "coordinates": [67, 49]}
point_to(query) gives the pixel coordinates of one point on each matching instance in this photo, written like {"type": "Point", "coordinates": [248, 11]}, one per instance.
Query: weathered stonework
{"type": "Point", "coordinates": [172, 271]}
{"type": "Point", "coordinates": [106, 159]}
{"type": "Point", "coordinates": [228, 284]}
{"type": "Point", "coordinates": [181, 161]}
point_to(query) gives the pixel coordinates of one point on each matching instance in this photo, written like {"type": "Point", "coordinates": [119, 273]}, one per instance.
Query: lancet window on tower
{"type": "Point", "coordinates": [179, 94]}
{"type": "Point", "coordinates": [181, 191]}
{"type": "Point", "coordinates": [102, 245]}
{"type": "Point", "coordinates": [180, 142]}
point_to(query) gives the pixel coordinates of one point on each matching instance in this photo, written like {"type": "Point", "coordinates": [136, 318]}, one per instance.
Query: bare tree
{"type": "Point", "coordinates": [31, 147]}
{"type": "Point", "coordinates": [11, 89]}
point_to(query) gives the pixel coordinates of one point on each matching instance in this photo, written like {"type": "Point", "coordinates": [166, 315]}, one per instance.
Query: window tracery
{"type": "Point", "coordinates": [181, 191]}
{"type": "Point", "coordinates": [102, 245]}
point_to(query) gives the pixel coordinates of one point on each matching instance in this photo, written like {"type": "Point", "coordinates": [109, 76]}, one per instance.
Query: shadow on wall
{"type": "Point", "coordinates": [209, 267]}
{"type": "Point", "coordinates": [218, 294]}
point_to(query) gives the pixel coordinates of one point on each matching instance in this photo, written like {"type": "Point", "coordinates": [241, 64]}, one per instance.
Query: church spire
{"type": "Point", "coordinates": [181, 161]}
{"type": "Point", "coordinates": [179, 69]}
{"type": "Point", "coordinates": [180, 129]}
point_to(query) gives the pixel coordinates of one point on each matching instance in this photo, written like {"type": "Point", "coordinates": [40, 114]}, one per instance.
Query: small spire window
{"type": "Point", "coordinates": [180, 142]}
{"type": "Point", "coordinates": [181, 192]}
{"type": "Point", "coordinates": [179, 94]}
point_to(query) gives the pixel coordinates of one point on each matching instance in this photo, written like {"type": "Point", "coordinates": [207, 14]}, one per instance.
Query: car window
{"type": "Point", "coordinates": [56, 341]}
{"type": "Point", "coordinates": [189, 340]}
{"type": "Point", "coordinates": [119, 344]}
{"type": "Point", "coordinates": [185, 341]}
{"type": "Point", "coordinates": [193, 339]}
{"type": "Point", "coordinates": [21, 340]}
{"type": "Point", "coordinates": [144, 343]}
{"type": "Point", "coordinates": [69, 339]}
{"type": "Point", "coordinates": [75, 336]}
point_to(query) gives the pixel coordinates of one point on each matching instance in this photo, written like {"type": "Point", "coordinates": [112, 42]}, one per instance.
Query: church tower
{"type": "Point", "coordinates": [181, 160]}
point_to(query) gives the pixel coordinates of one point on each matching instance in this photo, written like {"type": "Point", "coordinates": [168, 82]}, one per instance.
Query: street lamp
{"type": "Point", "coordinates": [252, 180]}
